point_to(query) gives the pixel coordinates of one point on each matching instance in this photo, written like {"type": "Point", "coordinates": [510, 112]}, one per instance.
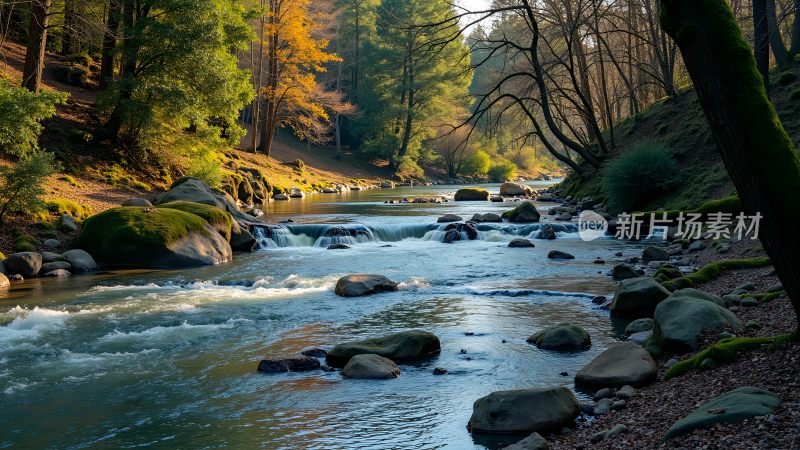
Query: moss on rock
{"type": "Point", "coordinates": [217, 218]}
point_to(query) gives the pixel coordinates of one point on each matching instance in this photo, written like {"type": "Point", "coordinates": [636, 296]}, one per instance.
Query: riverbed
{"type": "Point", "coordinates": [167, 359]}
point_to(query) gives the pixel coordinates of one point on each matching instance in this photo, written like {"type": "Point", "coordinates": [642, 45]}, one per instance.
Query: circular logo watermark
{"type": "Point", "coordinates": [591, 225]}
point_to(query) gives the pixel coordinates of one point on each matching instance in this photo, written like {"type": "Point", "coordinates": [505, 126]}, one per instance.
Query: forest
{"type": "Point", "coordinates": [469, 224]}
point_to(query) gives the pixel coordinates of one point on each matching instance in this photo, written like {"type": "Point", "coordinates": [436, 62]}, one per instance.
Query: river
{"type": "Point", "coordinates": [167, 359]}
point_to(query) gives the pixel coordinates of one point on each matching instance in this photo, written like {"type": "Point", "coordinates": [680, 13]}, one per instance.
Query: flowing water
{"type": "Point", "coordinates": [167, 359]}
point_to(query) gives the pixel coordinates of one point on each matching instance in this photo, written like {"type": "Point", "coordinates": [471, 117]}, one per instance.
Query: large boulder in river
{"type": "Point", "coordinates": [520, 243]}
{"type": "Point", "coordinates": [622, 363]}
{"type": "Point", "coordinates": [195, 190]}
{"type": "Point", "coordinates": [514, 189]}
{"type": "Point", "coordinates": [526, 212]}
{"type": "Point", "coordinates": [564, 336]}
{"type": "Point", "coordinates": [524, 410]}
{"type": "Point", "coordinates": [680, 320]}
{"type": "Point", "coordinates": [638, 297]}
{"type": "Point", "coordinates": [152, 237]}
{"type": "Point", "coordinates": [370, 367]}
{"type": "Point", "coordinates": [80, 260]}
{"type": "Point", "coordinates": [363, 284]}
{"type": "Point", "coordinates": [404, 346]}
{"type": "Point", "coordinates": [447, 218]}
{"type": "Point", "coordinates": [27, 264]}
{"type": "Point", "coordinates": [733, 406]}
{"type": "Point", "coordinates": [471, 194]}
{"type": "Point", "coordinates": [219, 219]}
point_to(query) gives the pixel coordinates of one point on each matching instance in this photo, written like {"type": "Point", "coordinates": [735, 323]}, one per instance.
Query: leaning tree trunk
{"type": "Point", "coordinates": [775, 40]}
{"type": "Point", "coordinates": [110, 34]}
{"type": "Point", "coordinates": [761, 39]}
{"type": "Point", "coordinates": [760, 157]}
{"type": "Point", "coordinates": [37, 40]}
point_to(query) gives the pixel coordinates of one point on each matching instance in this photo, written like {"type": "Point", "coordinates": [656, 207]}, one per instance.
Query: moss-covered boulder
{"type": "Point", "coordinates": [152, 237]}
{"type": "Point", "coordinates": [681, 319]}
{"type": "Point", "coordinates": [220, 220]}
{"type": "Point", "coordinates": [637, 297]}
{"type": "Point", "coordinates": [733, 406]}
{"type": "Point", "coordinates": [472, 194]}
{"type": "Point", "coordinates": [404, 346]}
{"type": "Point", "coordinates": [526, 212]}
{"type": "Point", "coordinates": [564, 336]}
{"type": "Point", "coordinates": [197, 191]}
{"type": "Point", "coordinates": [524, 410]}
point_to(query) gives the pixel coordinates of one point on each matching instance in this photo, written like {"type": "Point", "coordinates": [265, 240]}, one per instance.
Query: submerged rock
{"type": "Point", "coordinates": [564, 336]}
{"type": "Point", "coordinates": [338, 247]}
{"type": "Point", "coordinates": [472, 194]}
{"type": "Point", "coordinates": [733, 406]}
{"type": "Point", "coordinates": [526, 212]}
{"type": "Point", "coordinates": [314, 352]}
{"type": "Point", "coordinates": [358, 285]}
{"type": "Point", "coordinates": [298, 363]}
{"type": "Point", "coordinates": [557, 254]}
{"type": "Point", "coordinates": [370, 366]}
{"type": "Point", "coordinates": [524, 410]}
{"type": "Point", "coordinates": [520, 243]}
{"type": "Point", "coordinates": [546, 232]}
{"type": "Point", "coordinates": [622, 363]}
{"type": "Point", "coordinates": [447, 218]}
{"type": "Point", "coordinates": [404, 346]}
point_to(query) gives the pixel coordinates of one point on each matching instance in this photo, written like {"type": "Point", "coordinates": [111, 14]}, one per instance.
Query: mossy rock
{"type": "Point", "coordinates": [63, 206]}
{"type": "Point", "coordinates": [526, 212]}
{"type": "Point", "coordinates": [152, 237]}
{"type": "Point", "coordinates": [217, 218]}
{"type": "Point", "coordinates": [564, 336]}
{"type": "Point", "coordinates": [472, 194]}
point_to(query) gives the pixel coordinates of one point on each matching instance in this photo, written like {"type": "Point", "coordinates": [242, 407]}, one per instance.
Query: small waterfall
{"type": "Point", "coordinates": [323, 235]}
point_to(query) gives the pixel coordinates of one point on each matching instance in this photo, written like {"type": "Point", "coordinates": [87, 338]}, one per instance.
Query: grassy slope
{"type": "Point", "coordinates": [680, 123]}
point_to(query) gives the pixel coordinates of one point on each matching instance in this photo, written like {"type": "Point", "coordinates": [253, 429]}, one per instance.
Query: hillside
{"type": "Point", "coordinates": [680, 123]}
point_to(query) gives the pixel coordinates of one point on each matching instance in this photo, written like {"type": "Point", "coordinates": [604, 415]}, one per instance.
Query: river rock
{"type": "Point", "coordinates": [524, 410]}
{"type": "Point", "coordinates": [626, 392]}
{"type": "Point", "coordinates": [623, 272]}
{"type": "Point", "coordinates": [733, 406]}
{"type": "Point", "coordinates": [655, 254]}
{"type": "Point", "coordinates": [526, 212]}
{"type": "Point", "coordinates": [242, 240]}
{"type": "Point", "coordinates": [603, 407]}
{"type": "Point", "coordinates": [67, 223]}
{"type": "Point", "coordinates": [514, 189]}
{"type": "Point", "coordinates": [364, 284]}
{"type": "Point", "coordinates": [48, 257]}
{"type": "Point", "coordinates": [51, 243]}
{"type": "Point", "coordinates": [51, 266]}
{"type": "Point", "coordinates": [294, 363]}
{"type": "Point", "coordinates": [27, 264]}
{"type": "Point", "coordinates": [608, 434]}
{"type": "Point", "coordinates": [137, 202]}
{"type": "Point", "coordinates": [338, 247]}
{"type": "Point", "coordinates": [564, 216]}
{"type": "Point", "coordinates": [557, 254]}
{"type": "Point", "coordinates": [697, 246]}
{"type": "Point", "coordinates": [472, 194]}
{"type": "Point", "coordinates": [194, 190]}
{"type": "Point", "coordinates": [152, 237]}
{"type": "Point", "coordinates": [520, 243]}
{"type": "Point", "coordinates": [404, 346]}
{"type": "Point", "coordinates": [622, 363]}
{"type": "Point", "coordinates": [57, 273]}
{"type": "Point", "coordinates": [637, 297]}
{"type": "Point", "coordinates": [280, 197]}
{"type": "Point", "coordinates": [4, 283]}
{"type": "Point", "coordinates": [486, 218]}
{"type": "Point", "coordinates": [546, 232]}
{"type": "Point", "coordinates": [447, 218]}
{"type": "Point", "coordinates": [680, 320]}
{"type": "Point", "coordinates": [639, 325]}
{"type": "Point", "coordinates": [80, 261]}
{"type": "Point", "coordinates": [372, 367]}
{"type": "Point", "coordinates": [564, 336]}
{"type": "Point", "coordinates": [533, 442]}
{"type": "Point", "coordinates": [640, 337]}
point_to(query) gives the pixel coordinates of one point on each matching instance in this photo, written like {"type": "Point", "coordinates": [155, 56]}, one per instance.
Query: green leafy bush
{"type": "Point", "coordinates": [476, 165]}
{"type": "Point", "coordinates": [22, 184]}
{"type": "Point", "coordinates": [208, 168]}
{"type": "Point", "coordinates": [637, 176]}
{"type": "Point", "coordinates": [503, 171]}
{"type": "Point", "coordinates": [25, 243]}
{"type": "Point", "coordinates": [21, 112]}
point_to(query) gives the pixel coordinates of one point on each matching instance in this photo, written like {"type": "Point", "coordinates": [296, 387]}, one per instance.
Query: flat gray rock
{"type": "Point", "coordinates": [622, 363]}
{"type": "Point", "coordinates": [370, 367]}
{"type": "Point", "coordinates": [524, 410]}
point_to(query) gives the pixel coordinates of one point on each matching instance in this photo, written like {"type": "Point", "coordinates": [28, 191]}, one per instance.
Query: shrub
{"type": "Point", "coordinates": [408, 169]}
{"type": "Point", "coordinates": [70, 180]}
{"type": "Point", "coordinates": [25, 243]}
{"type": "Point", "coordinates": [21, 112]}
{"type": "Point", "coordinates": [787, 78]}
{"type": "Point", "coordinates": [63, 206]}
{"type": "Point", "coordinates": [503, 171]}
{"type": "Point", "coordinates": [21, 185]}
{"type": "Point", "coordinates": [207, 168]}
{"type": "Point", "coordinates": [637, 176]}
{"type": "Point", "coordinates": [117, 176]}
{"type": "Point", "coordinates": [476, 165]}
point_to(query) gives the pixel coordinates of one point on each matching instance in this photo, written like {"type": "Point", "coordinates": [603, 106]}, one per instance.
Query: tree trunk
{"type": "Point", "coordinates": [761, 40]}
{"type": "Point", "coordinates": [775, 40]}
{"type": "Point", "coordinates": [68, 31]}
{"type": "Point", "coordinates": [271, 104]}
{"type": "Point", "coordinates": [759, 155]}
{"type": "Point", "coordinates": [37, 40]}
{"type": "Point", "coordinates": [409, 116]}
{"type": "Point", "coordinates": [795, 49]}
{"type": "Point", "coordinates": [110, 42]}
